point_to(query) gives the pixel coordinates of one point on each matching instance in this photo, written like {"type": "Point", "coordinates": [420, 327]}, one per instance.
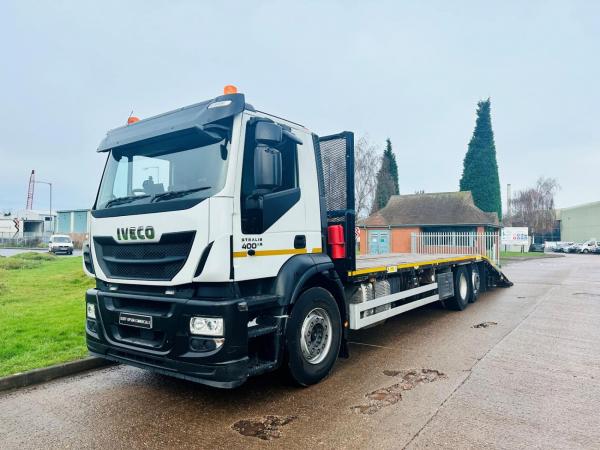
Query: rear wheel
{"type": "Point", "coordinates": [313, 336]}
{"type": "Point", "coordinates": [462, 290]}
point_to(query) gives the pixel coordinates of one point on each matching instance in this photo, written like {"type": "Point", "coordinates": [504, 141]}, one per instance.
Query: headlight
{"type": "Point", "coordinates": [91, 311]}
{"type": "Point", "coordinates": [207, 326]}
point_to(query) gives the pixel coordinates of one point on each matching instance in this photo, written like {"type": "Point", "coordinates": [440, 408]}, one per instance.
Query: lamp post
{"type": "Point", "coordinates": [49, 184]}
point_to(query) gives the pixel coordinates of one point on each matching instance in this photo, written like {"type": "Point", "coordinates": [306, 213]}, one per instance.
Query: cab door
{"type": "Point", "coordinates": [270, 220]}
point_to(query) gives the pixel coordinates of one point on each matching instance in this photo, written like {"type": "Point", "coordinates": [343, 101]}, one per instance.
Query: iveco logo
{"type": "Point", "coordinates": [135, 233]}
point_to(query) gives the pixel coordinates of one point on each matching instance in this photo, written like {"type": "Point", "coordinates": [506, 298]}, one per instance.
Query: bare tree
{"type": "Point", "coordinates": [367, 158]}
{"type": "Point", "coordinates": [534, 207]}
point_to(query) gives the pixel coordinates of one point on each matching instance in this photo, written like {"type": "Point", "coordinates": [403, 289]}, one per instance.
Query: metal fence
{"type": "Point", "coordinates": [454, 243]}
{"type": "Point", "coordinates": [24, 239]}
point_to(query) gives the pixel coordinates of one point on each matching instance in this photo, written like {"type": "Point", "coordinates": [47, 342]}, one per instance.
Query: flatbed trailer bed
{"type": "Point", "coordinates": [439, 267]}
{"type": "Point", "coordinates": [366, 264]}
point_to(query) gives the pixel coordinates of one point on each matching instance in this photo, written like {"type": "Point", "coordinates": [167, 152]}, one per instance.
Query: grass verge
{"type": "Point", "coordinates": [42, 311]}
{"type": "Point", "coordinates": [523, 255]}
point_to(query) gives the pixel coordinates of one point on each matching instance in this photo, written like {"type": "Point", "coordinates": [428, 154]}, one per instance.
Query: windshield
{"type": "Point", "coordinates": [137, 177]}
{"type": "Point", "coordinates": [61, 239]}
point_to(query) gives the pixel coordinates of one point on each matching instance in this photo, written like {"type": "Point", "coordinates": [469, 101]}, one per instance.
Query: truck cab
{"type": "Point", "coordinates": [204, 219]}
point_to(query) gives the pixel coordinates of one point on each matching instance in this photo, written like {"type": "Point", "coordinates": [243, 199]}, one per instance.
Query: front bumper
{"type": "Point", "coordinates": [166, 348]}
{"type": "Point", "coordinates": [61, 249]}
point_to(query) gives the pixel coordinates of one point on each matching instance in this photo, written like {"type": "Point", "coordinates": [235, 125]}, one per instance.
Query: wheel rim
{"type": "Point", "coordinates": [463, 287]}
{"type": "Point", "coordinates": [315, 340]}
{"type": "Point", "coordinates": [475, 281]}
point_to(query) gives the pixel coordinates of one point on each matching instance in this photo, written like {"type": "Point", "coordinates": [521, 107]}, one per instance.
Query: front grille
{"type": "Point", "coordinates": [148, 261]}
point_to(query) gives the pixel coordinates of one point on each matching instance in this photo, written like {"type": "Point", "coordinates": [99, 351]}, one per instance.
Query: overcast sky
{"type": "Point", "coordinates": [412, 71]}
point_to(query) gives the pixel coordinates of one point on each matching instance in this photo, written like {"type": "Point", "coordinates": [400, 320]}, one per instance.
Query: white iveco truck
{"type": "Point", "coordinates": [222, 242]}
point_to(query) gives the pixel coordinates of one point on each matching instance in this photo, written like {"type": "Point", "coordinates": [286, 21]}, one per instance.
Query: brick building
{"type": "Point", "coordinates": [389, 230]}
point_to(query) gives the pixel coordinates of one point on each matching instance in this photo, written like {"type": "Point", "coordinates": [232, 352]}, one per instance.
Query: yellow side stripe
{"type": "Point", "coordinates": [285, 251]}
{"type": "Point", "coordinates": [414, 265]}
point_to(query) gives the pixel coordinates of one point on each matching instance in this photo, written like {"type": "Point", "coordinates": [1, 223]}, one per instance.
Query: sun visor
{"type": "Point", "coordinates": [182, 124]}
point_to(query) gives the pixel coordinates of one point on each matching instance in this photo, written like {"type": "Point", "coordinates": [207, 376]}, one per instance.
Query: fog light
{"type": "Point", "coordinates": [91, 310]}
{"type": "Point", "coordinates": [206, 344]}
{"type": "Point", "coordinates": [207, 326]}
{"type": "Point", "coordinates": [92, 326]}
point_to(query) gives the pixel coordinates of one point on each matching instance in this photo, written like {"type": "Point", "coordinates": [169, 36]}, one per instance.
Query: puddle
{"type": "Point", "coordinates": [265, 428]}
{"type": "Point", "coordinates": [393, 394]}
{"type": "Point", "coordinates": [485, 324]}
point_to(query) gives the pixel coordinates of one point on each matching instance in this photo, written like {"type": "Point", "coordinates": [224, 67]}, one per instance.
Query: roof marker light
{"type": "Point", "coordinates": [219, 104]}
{"type": "Point", "coordinates": [132, 119]}
{"type": "Point", "coordinates": [229, 89]}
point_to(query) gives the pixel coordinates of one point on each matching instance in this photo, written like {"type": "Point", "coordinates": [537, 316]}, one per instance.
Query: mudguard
{"type": "Point", "coordinates": [298, 271]}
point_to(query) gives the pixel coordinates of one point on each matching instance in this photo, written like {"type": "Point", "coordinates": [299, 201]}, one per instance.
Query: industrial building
{"type": "Point", "coordinates": [72, 221]}
{"type": "Point", "coordinates": [26, 223]}
{"type": "Point", "coordinates": [580, 223]}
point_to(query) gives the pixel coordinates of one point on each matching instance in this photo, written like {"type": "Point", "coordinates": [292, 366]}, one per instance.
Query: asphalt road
{"type": "Point", "coordinates": [529, 379]}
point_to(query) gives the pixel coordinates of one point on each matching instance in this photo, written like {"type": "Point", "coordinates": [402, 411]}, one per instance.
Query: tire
{"type": "Point", "coordinates": [475, 283]}
{"type": "Point", "coordinates": [585, 250]}
{"type": "Point", "coordinates": [462, 290]}
{"type": "Point", "coordinates": [311, 357]}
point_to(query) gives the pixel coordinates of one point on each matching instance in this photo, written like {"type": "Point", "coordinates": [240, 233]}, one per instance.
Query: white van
{"type": "Point", "coordinates": [60, 243]}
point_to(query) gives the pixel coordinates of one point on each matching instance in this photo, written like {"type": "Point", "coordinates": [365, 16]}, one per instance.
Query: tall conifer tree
{"type": "Point", "coordinates": [480, 168]}
{"type": "Point", "coordinates": [387, 178]}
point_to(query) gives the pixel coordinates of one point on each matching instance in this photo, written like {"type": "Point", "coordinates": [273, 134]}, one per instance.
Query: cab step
{"type": "Point", "coordinates": [261, 330]}
{"type": "Point", "coordinates": [257, 302]}
{"type": "Point", "coordinates": [258, 366]}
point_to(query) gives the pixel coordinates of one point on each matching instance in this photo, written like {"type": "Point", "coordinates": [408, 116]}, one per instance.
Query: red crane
{"type": "Point", "coordinates": [30, 191]}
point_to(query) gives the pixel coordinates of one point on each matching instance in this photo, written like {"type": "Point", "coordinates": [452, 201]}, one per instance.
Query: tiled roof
{"type": "Point", "coordinates": [442, 208]}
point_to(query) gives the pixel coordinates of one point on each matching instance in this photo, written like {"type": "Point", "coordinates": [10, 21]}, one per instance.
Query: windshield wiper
{"type": "Point", "coordinates": [123, 200]}
{"type": "Point", "coordinates": [176, 194]}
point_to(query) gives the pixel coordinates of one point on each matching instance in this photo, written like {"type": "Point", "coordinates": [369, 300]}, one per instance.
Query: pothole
{"type": "Point", "coordinates": [485, 324]}
{"type": "Point", "coordinates": [265, 428]}
{"type": "Point", "coordinates": [393, 394]}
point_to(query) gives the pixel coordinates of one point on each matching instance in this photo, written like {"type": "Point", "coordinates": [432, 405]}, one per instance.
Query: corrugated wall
{"type": "Point", "coordinates": [580, 223]}
{"type": "Point", "coordinates": [69, 222]}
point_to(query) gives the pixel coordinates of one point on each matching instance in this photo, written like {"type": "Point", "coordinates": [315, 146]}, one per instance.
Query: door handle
{"type": "Point", "coordinates": [300, 241]}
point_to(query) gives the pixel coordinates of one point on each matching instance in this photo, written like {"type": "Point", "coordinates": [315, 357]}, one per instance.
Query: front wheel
{"type": "Point", "coordinates": [313, 336]}
{"type": "Point", "coordinates": [585, 250]}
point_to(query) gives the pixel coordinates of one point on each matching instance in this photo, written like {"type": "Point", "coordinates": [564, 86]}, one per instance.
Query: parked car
{"type": "Point", "coordinates": [561, 247]}
{"type": "Point", "coordinates": [573, 248]}
{"type": "Point", "coordinates": [539, 247]}
{"type": "Point", "coordinates": [588, 246]}
{"type": "Point", "coordinates": [60, 243]}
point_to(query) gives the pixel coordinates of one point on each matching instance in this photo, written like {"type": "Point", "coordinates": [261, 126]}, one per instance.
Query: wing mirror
{"type": "Point", "coordinates": [268, 133]}
{"type": "Point", "coordinates": [267, 167]}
